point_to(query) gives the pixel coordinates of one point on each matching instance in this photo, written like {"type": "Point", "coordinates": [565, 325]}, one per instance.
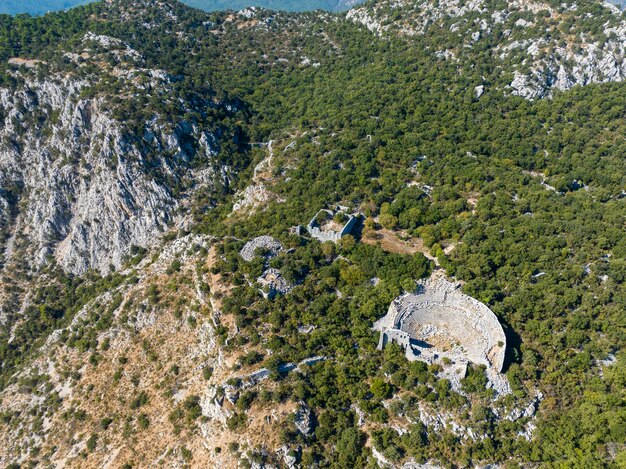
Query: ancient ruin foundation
{"type": "Point", "coordinates": [439, 321]}
{"type": "Point", "coordinates": [273, 283]}
{"type": "Point", "coordinates": [331, 230]}
{"type": "Point", "coordinates": [269, 245]}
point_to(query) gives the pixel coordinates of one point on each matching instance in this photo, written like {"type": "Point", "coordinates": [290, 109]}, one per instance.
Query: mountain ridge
{"type": "Point", "coordinates": [566, 56]}
{"type": "Point", "coordinates": [169, 143]}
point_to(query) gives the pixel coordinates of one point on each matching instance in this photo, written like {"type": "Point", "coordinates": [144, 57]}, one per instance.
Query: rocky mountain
{"type": "Point", "coordinates": [546, 46]}
{"type": "Point", "coordinates": [80, 185]}
{"type": "Point", "coordinates": [38, 7]}
{"type": "Point", "coordinates": [162, 301]}
{"type": "Point", "coordinates": [285, 5]}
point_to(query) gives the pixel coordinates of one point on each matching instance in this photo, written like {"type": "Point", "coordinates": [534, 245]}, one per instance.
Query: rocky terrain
{"type": "Point", "coordinates": [161, 302]}
{"type": "Point", "coordinates": [35, 7]}
{"type": "Point", "coordinates": [60, 183]}
{"type": "Point", "coordinates": [146, 374]}
{"type": "Point", "coordinates": [80, 186]}
{"type": "Point", "coordinates": [160, 362]}
{"type": "Point", "coordinates": [549, 46]}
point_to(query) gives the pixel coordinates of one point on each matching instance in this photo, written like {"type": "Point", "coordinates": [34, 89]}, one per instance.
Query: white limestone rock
{"type": "Point", "coordinates": [81, 184]}
{"type": "Point", "coordinates": [303, 420]}
{"type": "Point", "coordinates": [542, 61]}
{"type": "Point", "coordinates": [212, 406]}
{"type": "Point", "coordinates": [290, 456]}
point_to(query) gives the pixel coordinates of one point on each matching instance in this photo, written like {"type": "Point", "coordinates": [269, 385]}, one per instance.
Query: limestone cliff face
{"type": "Point", "coordinates": [77, 185]}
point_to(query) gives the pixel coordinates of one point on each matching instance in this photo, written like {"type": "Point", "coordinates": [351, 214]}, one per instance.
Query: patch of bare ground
{"type": "Point", "coordinates": [397, 242]}
{"type": "Point", "coordinates": [472, 200]}
{"type": "Point", "coordinates": [28, 63]}
{"type": "Point", "coordinates": [449, 247]}
{"type": "Point", "coordinates": [124, 394]}
{"type": "Point", "coordinates": [331, 225]}
{"type": "Point", "coordinates": [248, 24]}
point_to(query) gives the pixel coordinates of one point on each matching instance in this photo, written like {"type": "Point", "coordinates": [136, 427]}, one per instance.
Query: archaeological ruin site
{"type": "Point", "coordinates": [440, 324]}
{"type": "Point", "coordinates": [271, 281]}
{"type": "Point", "coordinates": [263, 245]}
{"type": "Point", "coordinates": [331, 224]}
{"type": "Point", "coordinates": [437, 324]}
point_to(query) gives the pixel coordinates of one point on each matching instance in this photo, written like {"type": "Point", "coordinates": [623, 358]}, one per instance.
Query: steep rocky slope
{"type": "Point", "coordinates": [80, 185]}
{"type": "Point", "coordinates": [154, 371]}
{"type": "Point", "coordinates": [148, 362]}
{"type": "Point", "coordinates": [288, 5]}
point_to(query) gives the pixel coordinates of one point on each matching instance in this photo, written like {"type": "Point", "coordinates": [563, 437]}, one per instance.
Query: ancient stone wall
{"type": "Point", "coordinates": [331, 235]}
{"type": "Point", "coordinates": [271, 245]}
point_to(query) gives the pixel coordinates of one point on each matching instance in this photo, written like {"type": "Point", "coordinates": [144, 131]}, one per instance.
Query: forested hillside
{"type": "Point", "coordinates": [393, 110]}
{"type": "Point", "coordinates": [287, 5]}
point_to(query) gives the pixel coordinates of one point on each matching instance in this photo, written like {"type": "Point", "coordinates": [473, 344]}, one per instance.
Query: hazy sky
{"type": "Point", "coordinates": [38, 7]}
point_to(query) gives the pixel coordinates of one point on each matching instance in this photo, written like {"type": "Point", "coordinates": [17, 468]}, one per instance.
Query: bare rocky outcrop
{"type": "Point", "coordinates": [253, 196]}
{"type": "Point", "coordinates": [544, 55]}
{"type": "Point", "coordinates": [257, 194]}
{"type": "Point", "coordinates": [304, 420]}
{"type": "Point", "coordinates": [290, 456]}
{"type": "Point", "coordinates": [78, 185]}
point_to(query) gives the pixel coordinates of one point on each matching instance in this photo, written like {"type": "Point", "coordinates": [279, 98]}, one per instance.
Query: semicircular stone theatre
{"type": "Point", "coordinates": [440, 324]}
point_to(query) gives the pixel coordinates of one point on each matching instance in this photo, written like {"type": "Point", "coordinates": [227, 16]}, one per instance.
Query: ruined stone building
{"type": "Point", "coordinates": [330, 230]}
{"type": "Point", "coordinates": [273, 283]}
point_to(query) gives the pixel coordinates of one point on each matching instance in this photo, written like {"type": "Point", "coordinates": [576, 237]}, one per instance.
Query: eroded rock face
{"type": "Point", "coordinates": [78, 186]}
{"type": "Point", "coordinates": [304, 420]}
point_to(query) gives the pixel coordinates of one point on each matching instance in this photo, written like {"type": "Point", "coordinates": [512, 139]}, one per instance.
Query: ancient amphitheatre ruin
{"type": "Point", "coordinates": [437, 324]}
{"type": "Point", "coordinates": [440, 324]}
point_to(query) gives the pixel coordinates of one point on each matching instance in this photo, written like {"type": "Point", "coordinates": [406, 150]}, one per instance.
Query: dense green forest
{"type": "Point", "coordinates": [543, 245]}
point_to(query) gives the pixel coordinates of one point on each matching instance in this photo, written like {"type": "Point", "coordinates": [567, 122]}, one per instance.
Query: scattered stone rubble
{"type": "Point", "coordinates": [290, 456]}
{"type": "Point", "coordinates": [306, 329]}
{"type": "Point", "coordinates": [438, 322]}
{"type": "Point", "coordinates": [253, 196]}
{"type": "Point", "coordinates": [232, 390]}
{"type": "Point", "coordinates": [273, 283]}
{"type": "Point", "coordinates": [304, 419]}
{"type": "Point", "coordinates": [267, 243]}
